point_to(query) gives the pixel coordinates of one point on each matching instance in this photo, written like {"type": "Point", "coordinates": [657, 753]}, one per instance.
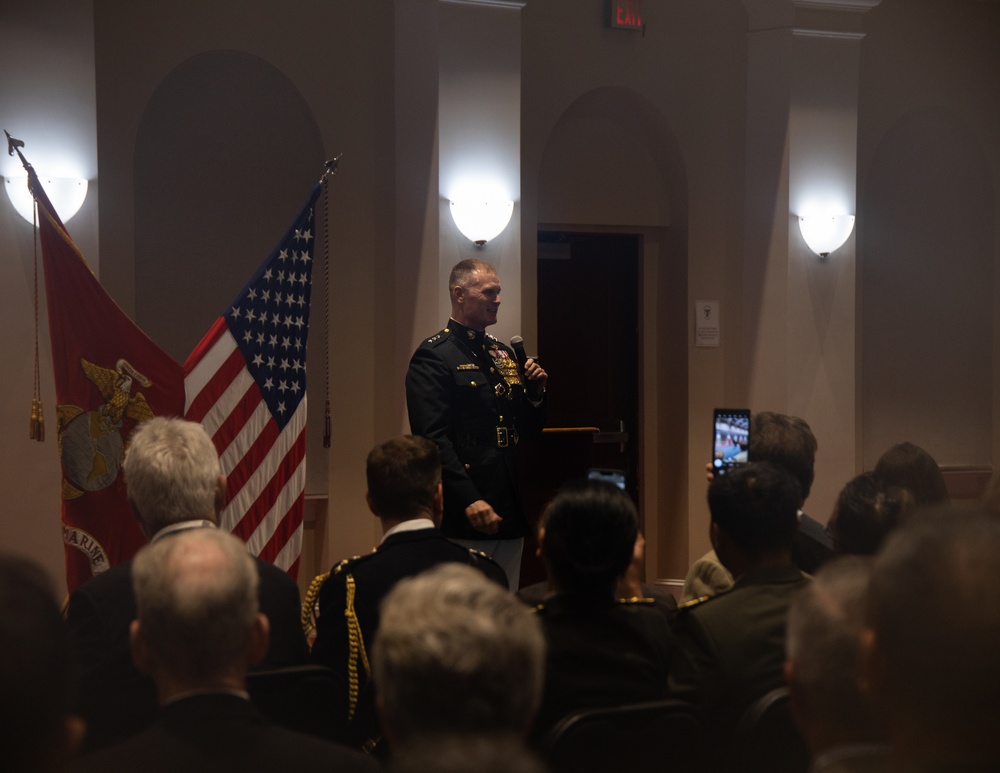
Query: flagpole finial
{"type": "Point", "coordinates": [12, 144]}
{"type": "Point", "coordinates": [330, 167]}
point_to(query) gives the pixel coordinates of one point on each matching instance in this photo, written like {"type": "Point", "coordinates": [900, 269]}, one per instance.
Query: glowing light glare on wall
{"type": "Point", "coordinates": [66, 194]}
{"type": "Point", "coordinates": [826, 233]}
{"type": "Point", "coordinates": [481, 218]}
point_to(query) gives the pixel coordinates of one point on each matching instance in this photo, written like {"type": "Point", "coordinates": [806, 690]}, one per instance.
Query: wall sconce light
{"type": "Point", "coordinates": [481, 219]}
{"type": "Point", "coordinates": [66, 194]}
{"type": "Point", "coordinates": [826, 233]}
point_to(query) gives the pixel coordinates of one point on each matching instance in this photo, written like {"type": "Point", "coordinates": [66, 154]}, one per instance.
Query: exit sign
{"type": "Point", "coordinates": [626, 14]}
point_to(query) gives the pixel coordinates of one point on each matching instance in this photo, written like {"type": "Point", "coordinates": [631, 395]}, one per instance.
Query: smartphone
{"type": "Point", "coordinates": [730, 438]}
{"type": "Point", "coordinates": [611, 476]}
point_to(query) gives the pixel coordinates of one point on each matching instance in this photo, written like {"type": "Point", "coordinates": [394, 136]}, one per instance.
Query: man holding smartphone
{"type": "Point", "coordinates": [789, 442]}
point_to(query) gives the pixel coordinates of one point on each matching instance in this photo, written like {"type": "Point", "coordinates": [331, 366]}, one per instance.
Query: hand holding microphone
{"type": "Point", "coordinates": [533, 373]}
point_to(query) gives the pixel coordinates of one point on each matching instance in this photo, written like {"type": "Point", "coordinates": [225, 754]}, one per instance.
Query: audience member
{"type": "Point", "coordinates": [404, 493]}
{"type": "Point", "coordinates": [910, 467]}
{"type": "Point", "coordinates": [730, 648]}
{"type": "Point", "coordinates": [631, 586]}
{"type": "Point", "coordinates": [174, 483]}
{"type": "Point", "coordinates": [788, 442]}
{"type": "Point", "coordinates": [37, 673]}
{"type": "Point", "coordinates": [467, 754]}
{"type": "Point", "coordinates": [823, 670]}
{"type": "Point", "coordinates": [864, 515]}
{"type": "Point", "coordinates": [600, 651]}
{"type": "Point", "coordinates": [198, 631]}
{"type": "Point", "coordinates": [929, 647]}
{"type": "Point", "coordinates": [456, 655]}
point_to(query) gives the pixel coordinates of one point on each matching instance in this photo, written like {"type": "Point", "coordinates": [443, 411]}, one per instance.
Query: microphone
{"type": "Point", "coordinates": [517, 344]}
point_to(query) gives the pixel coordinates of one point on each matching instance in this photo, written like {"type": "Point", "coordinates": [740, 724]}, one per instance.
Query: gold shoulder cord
{"type": "Point", "coordinates": [357, 649]}
{"type": "Point", "coordinates": [309, 607]}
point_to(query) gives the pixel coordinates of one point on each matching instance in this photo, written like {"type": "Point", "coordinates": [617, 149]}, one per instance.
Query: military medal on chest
{"type": "Point", "coordinates": [506, 366]}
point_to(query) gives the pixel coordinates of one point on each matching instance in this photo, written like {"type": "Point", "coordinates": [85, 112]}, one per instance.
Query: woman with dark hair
{"type": "Point", "coordinates": [910, 467]}
{"type": "Point", "coordinates": [602, 651]}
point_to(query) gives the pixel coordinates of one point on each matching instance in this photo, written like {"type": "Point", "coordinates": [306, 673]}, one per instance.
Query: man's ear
{"type": "Point", "coordinates": [540, 550]}
{"type": "Point", "coordinates": [220, 494]}
{"type": "Point", "coordinates": [794, 696]}
{"type": "Point", "coordinates": [140, 650]}
{"type": "Point", "coordinates": [66, 745]}
{"type": "Point", "coordinates": [872, 676]}
{"type": "Point", "coordinates": [438, 512]}
{"type": "Point", "coordinates": [260, 640]}
{"type": "Point", "coordinates": [714, 535]}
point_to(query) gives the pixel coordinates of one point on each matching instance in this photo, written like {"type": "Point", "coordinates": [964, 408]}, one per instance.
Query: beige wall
{"type": "Point", "coordinates": [705, 160]}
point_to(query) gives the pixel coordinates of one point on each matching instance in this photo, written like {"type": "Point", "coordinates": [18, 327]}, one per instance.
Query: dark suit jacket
{"type": "Point", "coordinates": [217, 733]}
{"type": "Point", "coordinates": [731, 647]}
{"type": "Point", "coordinates": [599, 654]}
{"type": "Point", "coordinates": [457, 395]}
{"type": "Point", "coordinates": [812, 547]}
{"type": "Point", "coordinates": [115, 698]}
{"type": "Point", "coordinates": [403, 554]}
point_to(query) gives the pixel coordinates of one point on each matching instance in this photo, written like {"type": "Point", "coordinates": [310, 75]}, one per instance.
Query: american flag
{"type": "Point", "coordinates": [246, 383]}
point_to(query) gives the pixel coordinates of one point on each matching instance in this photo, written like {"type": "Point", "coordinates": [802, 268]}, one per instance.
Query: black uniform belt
{"type": "Point", "coordinates": [498, 437]}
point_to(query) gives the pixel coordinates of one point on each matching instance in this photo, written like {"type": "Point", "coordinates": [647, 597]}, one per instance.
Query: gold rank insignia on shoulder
{"type": "Point", "coordinates": [644, 600]}
{"type": "Point", "coordinates": [434, 338]}
{"type": "Point", "coordinates": [341, 565]}
{"type": "Point", "coordinates": [467, 366]}
{"type": "Point", "coordinates": [694, 602]}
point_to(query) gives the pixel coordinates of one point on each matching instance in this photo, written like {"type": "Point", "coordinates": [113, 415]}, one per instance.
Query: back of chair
{"type": "Point", "coordinates": [662, 736]}
{"type": "Point", "coordinates": [309, 699]}
{"type": "Point", "coordinates": [767, 739]}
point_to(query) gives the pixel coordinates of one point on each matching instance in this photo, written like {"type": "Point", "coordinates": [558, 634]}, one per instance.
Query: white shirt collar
{"type": "Point", "coordinates": [414, 524]}
{"type": "Point", "coordinates": [182, 526]}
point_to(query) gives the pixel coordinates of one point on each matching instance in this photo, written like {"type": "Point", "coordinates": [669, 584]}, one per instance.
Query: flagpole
{"type": "Point", "coordinates": [36, 422]}
{"type": "Point", "coordinates": [329, 170]}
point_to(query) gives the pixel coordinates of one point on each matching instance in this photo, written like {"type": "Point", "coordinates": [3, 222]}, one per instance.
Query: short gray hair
{"type": "Point", "coordinates": [171, 471]}
{"type": "Point", "coordinates": [462, 271]}
{"type": "Point", "coordinates": [456, 653]}
{"type": "Point", "coordinates": [934, 608]}
{"type": "Point", "coordinates": [196, 594]}
{"type": "Point", "coordinates": [823, 642]}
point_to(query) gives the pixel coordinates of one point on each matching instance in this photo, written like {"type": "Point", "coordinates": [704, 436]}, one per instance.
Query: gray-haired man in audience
{"type": "Point", "coordinates": [456, 654]}
{"type": "Point", "coordinates": [174, 484]}
{"type": "Point", "coordinates": [823, 670]}
{"type": "Point", "coordinates": [930, 642]}
{"type": "Point", "coordinates": [198, 631]}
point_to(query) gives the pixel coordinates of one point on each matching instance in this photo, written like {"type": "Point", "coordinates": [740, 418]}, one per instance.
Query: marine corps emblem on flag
{"type": "Point", "coordinates": [91, 445]}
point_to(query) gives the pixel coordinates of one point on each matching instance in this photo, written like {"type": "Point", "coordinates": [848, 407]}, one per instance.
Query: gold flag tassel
{"type": "Point", "coordinates": [37, 428]}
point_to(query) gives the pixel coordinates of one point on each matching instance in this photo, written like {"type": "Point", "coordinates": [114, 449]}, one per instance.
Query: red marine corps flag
{"type": "Point", "coordinates": [109, 377]}
{"type": "Point", "coordinates": [245, 382]}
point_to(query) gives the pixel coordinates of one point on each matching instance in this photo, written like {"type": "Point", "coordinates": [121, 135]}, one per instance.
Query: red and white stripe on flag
{"type": "Point", "coordinates": [246, 383]}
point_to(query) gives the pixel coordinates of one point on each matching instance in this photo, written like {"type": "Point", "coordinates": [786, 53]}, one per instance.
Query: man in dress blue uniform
{"type": "Point", "coordinates": [466, 392]}
{"type": "Point", "coordinates": [404, 493]}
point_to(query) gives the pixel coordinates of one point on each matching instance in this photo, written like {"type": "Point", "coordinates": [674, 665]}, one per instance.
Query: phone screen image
{"type": "Point", "coordinates": [610, 476]}
{"type": "Point", "coordinates": [730, 438]}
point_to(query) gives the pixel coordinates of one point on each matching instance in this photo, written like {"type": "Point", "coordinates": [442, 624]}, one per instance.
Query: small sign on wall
{"type": "Point", "coordinates": [625, 14]}
{"type": "Point", "coordinates": [706, 323]}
